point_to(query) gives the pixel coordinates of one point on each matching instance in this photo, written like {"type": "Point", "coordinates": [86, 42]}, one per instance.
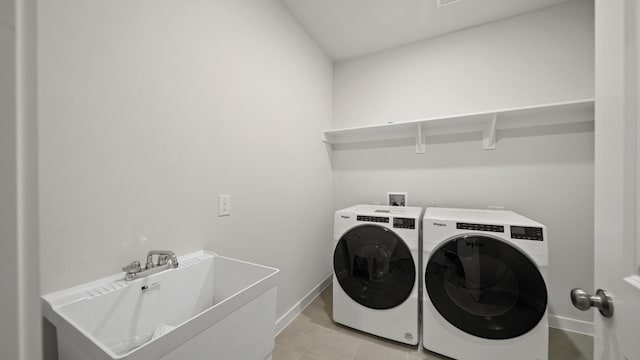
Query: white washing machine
{"type": "Point", "coordinates": [485, 293]}
{"type": "Point", "coordinates": [376, 270]}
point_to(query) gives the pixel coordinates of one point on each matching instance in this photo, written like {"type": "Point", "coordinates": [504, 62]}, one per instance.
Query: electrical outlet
{"type": "Point", "coordinates": [224, 205]}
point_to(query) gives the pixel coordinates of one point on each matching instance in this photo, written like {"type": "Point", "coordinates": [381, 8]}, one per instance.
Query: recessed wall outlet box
{"type": "Point", "coordinates": [397, 198]}
{"type": "Point", "coordinates": [224, 205]}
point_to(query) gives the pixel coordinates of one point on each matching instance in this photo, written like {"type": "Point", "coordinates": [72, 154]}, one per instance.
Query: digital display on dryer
{"type": "Point", "coordinates": [404, 223]}
{"type": "Point", "coordinates": [526, 233]}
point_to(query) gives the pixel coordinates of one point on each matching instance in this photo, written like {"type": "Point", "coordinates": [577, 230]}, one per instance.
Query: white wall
{"type": "Point", "coordinates": [8, 184]}
{"type": "Point", "coordinates": [545, 56]}
{"type": "Point", "coordinates": [545, 172]}
{"type": "Point", "coordinates": [20, 330]}
{"type": "Point", "coordinates": [150, 109]}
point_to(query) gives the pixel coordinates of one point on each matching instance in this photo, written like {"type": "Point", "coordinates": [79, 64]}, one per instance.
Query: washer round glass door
{"type": "Point", "coordinates": [374, 267]}
{"type": "Point", "coordinates": [486, 287]}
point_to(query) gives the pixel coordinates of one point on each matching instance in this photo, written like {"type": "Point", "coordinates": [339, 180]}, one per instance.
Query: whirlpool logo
{"type": "Point", "coordinates": [439, 224]}
{"type": "Point", "coordinates": [345, 217]}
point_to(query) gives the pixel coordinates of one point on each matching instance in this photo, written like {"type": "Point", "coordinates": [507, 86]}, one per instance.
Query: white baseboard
{"type": "Point", "coordinates": [573, 325]}
{"type": "Point", "coordinates": [296, 309]}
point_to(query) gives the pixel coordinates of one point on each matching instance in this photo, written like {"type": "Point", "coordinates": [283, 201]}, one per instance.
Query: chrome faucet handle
{"type": "Point", "coordinates": [149, 264]}
{"type": "Point", "coordinates": [163, 260]}
{"type": "Point", "coordinates": [131, 270]}
{"type": "Point", "coordinates": [134, 267]}
{"type": "Point", "coordinates": [174, 260]}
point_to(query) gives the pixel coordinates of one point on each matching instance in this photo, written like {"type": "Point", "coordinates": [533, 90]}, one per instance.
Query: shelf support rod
{"type": "Point", "coordinates": [421, 147]}
{"type": "Point", "coordinates": [489, 133]}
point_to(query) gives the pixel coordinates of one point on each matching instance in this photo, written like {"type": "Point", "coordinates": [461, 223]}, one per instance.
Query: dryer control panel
{"type": "Point", "coordinates": [480, 227]}
{"type": "Point", "coordinates": [526, 233]}
{"type": "Point", "coordinates": [404, 223]}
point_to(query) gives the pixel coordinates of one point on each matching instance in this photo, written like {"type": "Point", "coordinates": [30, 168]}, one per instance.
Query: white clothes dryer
{"type": "Point", "coordinates": [485, 293]}
{"type": "Point", "coordinates": [376, 270]}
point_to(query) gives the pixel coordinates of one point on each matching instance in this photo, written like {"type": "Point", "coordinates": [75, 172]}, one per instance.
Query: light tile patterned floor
{"type": "Point", "coordinates": [314, 336]}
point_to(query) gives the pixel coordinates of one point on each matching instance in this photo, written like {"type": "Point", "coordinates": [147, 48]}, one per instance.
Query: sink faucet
{"type": "Point", "coordinates": [164, 257]}
{"type": "Point", "coordinates": [166, 260]}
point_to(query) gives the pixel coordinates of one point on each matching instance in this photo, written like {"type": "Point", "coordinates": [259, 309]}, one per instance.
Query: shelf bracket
{"type": "Point", "coordinates": [489, 133]}
{"type": "Point", "coordinates": [421, 147]}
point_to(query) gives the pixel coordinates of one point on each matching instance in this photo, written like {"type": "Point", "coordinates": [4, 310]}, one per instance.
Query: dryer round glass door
{"type": "Point", "coordinates": [374, 267]}
{"type": "Point", "coordinates": [486, 287]}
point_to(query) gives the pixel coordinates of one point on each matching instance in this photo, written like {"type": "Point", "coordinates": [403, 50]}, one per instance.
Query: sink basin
{"type": "Point", "coordinates": [210, 307]}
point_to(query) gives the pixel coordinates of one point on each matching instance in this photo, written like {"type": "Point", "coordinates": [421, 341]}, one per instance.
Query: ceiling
{"type": "Point", "coordinates": [350, 28]}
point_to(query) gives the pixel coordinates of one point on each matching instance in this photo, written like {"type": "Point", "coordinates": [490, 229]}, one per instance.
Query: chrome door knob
{"type": "Point", "coordinates": [602, 300]}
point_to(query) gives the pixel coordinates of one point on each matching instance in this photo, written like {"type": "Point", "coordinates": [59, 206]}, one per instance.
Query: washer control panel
{"type": "Point", "coordinates": [526, 233]}
{"type": "Point", "coordinates": [380, 219]}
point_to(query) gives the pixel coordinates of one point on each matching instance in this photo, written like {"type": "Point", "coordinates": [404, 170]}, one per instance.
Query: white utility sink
{"type": "Point", "coordinates": [210, 307]}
